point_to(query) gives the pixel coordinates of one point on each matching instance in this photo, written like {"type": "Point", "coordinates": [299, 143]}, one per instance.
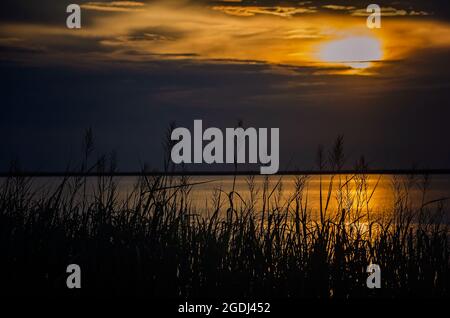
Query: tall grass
{"type": "Point", "coordinates": [153, 242]}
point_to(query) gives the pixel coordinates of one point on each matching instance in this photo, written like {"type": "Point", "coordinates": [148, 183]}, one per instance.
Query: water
{"type": "Point", "coordinates": [378, 196]}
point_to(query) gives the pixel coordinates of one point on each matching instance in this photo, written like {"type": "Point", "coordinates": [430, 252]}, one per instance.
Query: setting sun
{"type": "Point", "coordinates": [356, 52]}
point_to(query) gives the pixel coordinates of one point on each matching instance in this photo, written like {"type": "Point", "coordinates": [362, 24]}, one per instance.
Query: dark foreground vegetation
{"type": "Point", "coordinates": [153, 243]}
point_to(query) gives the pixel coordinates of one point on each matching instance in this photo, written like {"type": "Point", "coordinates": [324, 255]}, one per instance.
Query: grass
{"type": "Point", "coordinates": [154, 243]}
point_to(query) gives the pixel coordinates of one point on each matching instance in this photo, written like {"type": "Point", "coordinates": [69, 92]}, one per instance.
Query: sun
{"type": "Point", "coordinates": [357, 51]}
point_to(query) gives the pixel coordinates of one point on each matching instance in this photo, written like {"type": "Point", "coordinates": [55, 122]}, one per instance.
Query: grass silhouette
{"type": "Point", "coordinates": [153, 243]}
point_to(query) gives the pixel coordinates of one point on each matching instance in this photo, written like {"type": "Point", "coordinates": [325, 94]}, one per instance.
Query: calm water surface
{"type": "Point", "coordinates": [383, 190]}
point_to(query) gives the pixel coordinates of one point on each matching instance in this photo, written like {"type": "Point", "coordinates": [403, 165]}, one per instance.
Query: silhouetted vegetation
{"type": "Point", "coordinates": [154, 243]}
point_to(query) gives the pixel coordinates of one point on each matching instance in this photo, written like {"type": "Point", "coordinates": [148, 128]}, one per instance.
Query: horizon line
{"type": "Point", "coordinates": [224, 173]}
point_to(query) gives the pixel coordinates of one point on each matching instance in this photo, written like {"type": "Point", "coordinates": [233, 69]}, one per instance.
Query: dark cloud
{"type": "Point", "coordinates": [45, 110]}
{"type": "Point", "coordinates": [437, 8]}
{"type": "Point", "coordinates": [50, 93]}
{"type": "Point", "coordinates": [45, 12]}
{"type": "Point", "coordinates": [53, 11]}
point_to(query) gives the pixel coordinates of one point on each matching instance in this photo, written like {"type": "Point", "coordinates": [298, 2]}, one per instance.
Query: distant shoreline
{"type": "Point", "coordinates": [225, 173]}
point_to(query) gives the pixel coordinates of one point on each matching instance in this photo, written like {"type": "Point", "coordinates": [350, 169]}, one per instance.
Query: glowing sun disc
{"type": "Point", "coordinates": [356, 52]}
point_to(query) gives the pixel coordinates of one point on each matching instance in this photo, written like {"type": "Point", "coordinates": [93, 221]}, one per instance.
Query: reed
{"type": "Point", "coordinates": [154, 243]}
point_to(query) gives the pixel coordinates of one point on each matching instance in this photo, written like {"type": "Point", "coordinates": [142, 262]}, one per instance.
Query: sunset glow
{"type": "Point", "coordinates": [221, 156]}
{"type": "Point", "coordinates": [356, 52]}
{"type": "Point", "coordinates": [172, 31]}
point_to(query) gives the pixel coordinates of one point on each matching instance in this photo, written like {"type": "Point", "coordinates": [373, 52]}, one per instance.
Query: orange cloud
{"type": "Point", "coordinates": [114, 6]}
{"type": "Point", "coordinates": [181, 30]}
{"type": "Point", "coordinates": [245, 11]}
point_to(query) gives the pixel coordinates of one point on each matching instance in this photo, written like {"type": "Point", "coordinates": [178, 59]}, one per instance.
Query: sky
{"type": "Point", "coordinates": [313, 69]}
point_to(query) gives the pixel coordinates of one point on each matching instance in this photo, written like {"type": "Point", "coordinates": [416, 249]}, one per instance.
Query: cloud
{"type": "Point", "coordinates": [114, 6]}
{"type": "Point", "coordinates": [180, 30]}
{"type": "Point", "coordinates": [130, 107]}
{"type": "Point", "coordinates": [130, 74]}
{"type": "Point", "coordinates": [16, 46]}
{"type": "Point", "coordinates": [338, 7]}
{"type": "Point", "coordinates": [418, 13]}
{"type": "Point", "coordinates": [389, 12]}
{"type": "Point", "coordinates": [244, 11]}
